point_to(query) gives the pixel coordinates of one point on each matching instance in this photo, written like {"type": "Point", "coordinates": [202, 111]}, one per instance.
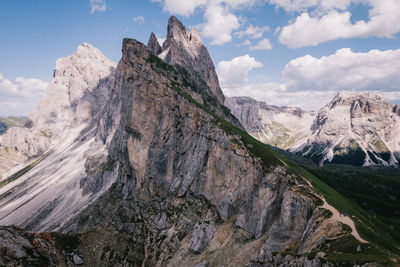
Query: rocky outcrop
{"type": "Point", "coordinates": [153, 45]}
{"type": "Point", "coordinates": [184, 48]}
{"type": "Point", "coordinates": [201, 237]}
{"type": "Point", "coordinates": [20, 248]}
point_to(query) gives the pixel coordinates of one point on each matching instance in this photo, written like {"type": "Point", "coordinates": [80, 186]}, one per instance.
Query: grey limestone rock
{"type": "Point", "coordinates": [153, 45]}
{"type": "Point", "coordinates": [185, 48]}
{"type": "Point", "coordinates": [77, 260]}
{"type": "Point", "coordinates": [201, 237]}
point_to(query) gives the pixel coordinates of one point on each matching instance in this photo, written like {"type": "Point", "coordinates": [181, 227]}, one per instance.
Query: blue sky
{"type": "Point", "coordinates": [288, 52]}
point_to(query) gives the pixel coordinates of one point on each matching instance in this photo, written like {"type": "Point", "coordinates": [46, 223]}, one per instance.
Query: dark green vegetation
{"type": "Point", "coordinates": [11, 121]}
{"type": "Point", "coordinates": [375, 190]}
{"type": "Point", "coordinates": [349, 153]}
{"type": "Point", "coordinates": [384, 241]}
{"type": "Point", "coordinates": [351, 156]}
{"type": "Point", "coordinates": [24, 170]}
{"type": "Point", "coordinates": [348, 251]}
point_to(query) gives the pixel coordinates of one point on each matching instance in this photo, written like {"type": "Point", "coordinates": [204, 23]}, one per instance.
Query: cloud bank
{"type": "Point", "coordinates": [234, 73]}
{"type": "Point", "coordinates": [21, 96]}
{"type": "Point", "coordinates": [97, 5]}
{"type": "Point", "coordinates": [330, 20]}
{"type": "Point", "coordinates": [311, 82]}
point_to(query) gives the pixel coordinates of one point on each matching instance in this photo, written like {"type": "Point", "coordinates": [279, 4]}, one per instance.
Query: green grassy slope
{"type": "Point", "coordinates": [375, 190]}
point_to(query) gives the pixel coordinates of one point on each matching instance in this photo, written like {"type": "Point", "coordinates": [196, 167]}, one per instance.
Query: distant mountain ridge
{"type": "Point", "coordinates": [11, 121]}
{"type": "Point", "coordinates": [354, 128]}
{"type": "Point", "coordinates": [283, 127]}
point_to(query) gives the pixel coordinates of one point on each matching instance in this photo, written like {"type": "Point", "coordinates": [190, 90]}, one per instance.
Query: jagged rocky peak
{"type": "Point", "coordinates": [171, 153]}
{"type": "Point", "coordinates": [80, 87]}
{"type": "Point", "coordinates": [178, 32]}
{"type": "Point", "coordinates": [355, 128]}
{"type": "Point", "coordinates": [63, 138]}
{"type": "Point", "coordinates": [185, 48]}
{"type": "Point", "coordinates": [153, 45]}
{"type": "Point", "coordinates": [363, 102]}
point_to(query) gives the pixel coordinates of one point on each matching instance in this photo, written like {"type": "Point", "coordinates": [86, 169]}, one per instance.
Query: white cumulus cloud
{"type": "Point", "coordinates": [244, 43]}
{"type": "Point", "coordinates": [334, 21]}
{"type": "Point", "coordinates": [97, 5]}
{"type": "Point", "coordinates": [183, 8]}
{"type": "Point", "coordinates": [253, 32]}
{"type": "Point", "coordinates": [321, 5]}
{"type": "Point", "coordinates": [345, 70]}
{"type": "Point", "coordinates": [235, 72]}
{"type": "Point", "coordinates": [263, 44]}
{"type": "Point", "coordinates": [21, 96]}
{"type": "Point", "coordinates": [139, 19]}
{"type": "Point", "coordinates": [220, 24]}
{"type": "Point", "coordinates": [311, 82]}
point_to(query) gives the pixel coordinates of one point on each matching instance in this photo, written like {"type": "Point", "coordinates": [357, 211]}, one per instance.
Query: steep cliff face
{"type": "Point", "coordinates": [184, 48]}
{"type": "Point", "coordinates": [165, 178]}
{"type": "Point", "coordinates": [355, 128]}
{"type": "Point", "coordinates": [191, 187]}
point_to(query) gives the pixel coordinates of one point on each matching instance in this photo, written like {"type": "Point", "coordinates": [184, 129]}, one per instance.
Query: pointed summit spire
{"type": "Point", "coordinates": [153, 45]}
{"type": "Point", "coordinates": [185, 48]}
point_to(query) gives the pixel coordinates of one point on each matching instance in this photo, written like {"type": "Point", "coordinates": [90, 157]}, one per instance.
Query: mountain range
{"type": "Point", "coordinates": [355, 128]}
{"type": "Point", "coordinates": [140, 164]}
